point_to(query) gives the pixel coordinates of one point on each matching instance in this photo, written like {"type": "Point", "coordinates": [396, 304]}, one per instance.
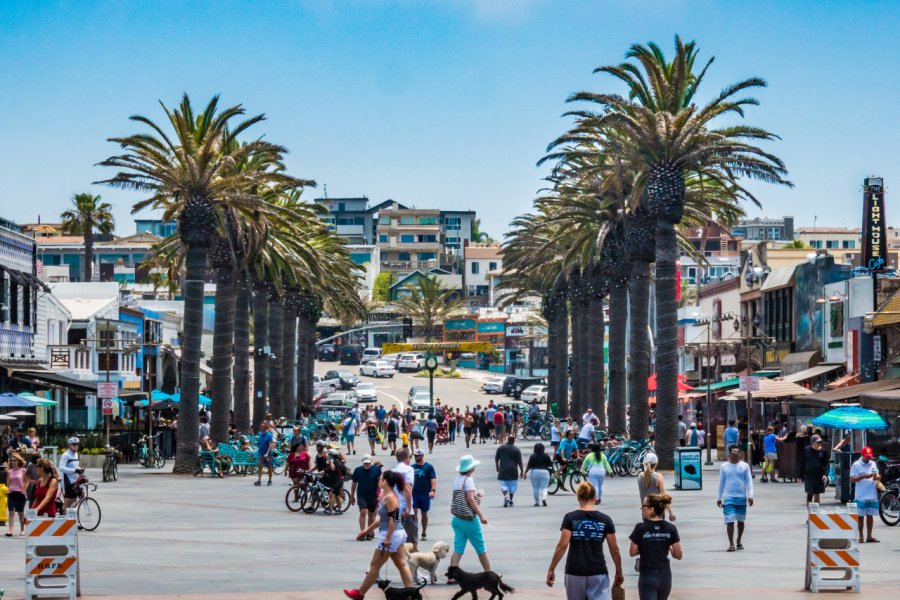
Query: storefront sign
{"type": "Point", "coordinates": [491, 327]}
{"type": "Point", "coordinates": [457, 324]}
{"type": "Point", "coordinates": [874, 230]}
{"type": "Point", "coordinates": [518, 330]}
{"type": "Point", "coordinates": [876, 348]}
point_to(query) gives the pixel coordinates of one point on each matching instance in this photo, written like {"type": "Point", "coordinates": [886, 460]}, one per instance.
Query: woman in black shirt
{"type": "Point", "coordinates": [541, 465]}
{"type": "Point", "coordinates": [653, 540]}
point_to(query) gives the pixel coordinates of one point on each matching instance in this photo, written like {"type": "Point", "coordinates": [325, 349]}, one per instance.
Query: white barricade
{"type": "Point", "coordinates": [832, 554]}
{"type": "Point", "coordinates": [51, 556]}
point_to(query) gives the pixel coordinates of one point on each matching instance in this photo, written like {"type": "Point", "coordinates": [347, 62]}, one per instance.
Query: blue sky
{"type": "Point", "coordinates": [434, 103]}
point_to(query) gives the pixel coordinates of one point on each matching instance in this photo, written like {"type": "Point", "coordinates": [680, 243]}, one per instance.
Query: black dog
{"type": "Point", "coordinates": [472, 582]}
{"type": "Point", "coordinates": [392, 593]}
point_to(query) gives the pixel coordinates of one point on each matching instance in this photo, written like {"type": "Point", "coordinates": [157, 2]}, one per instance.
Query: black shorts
{"type": "Point", "coordinates": [16, 502]}
{"type": "Point", "coordinates": [814, 486]}
{"type": "Point", "coordinates": [431, 435]}
{"type": "Point", "coordinates": [69, 489]}
{"type": "Point", "coordinates": [369, 503]}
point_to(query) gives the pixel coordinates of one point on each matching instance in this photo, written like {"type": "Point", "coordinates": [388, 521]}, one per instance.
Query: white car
{"type": "Point", "coordinates": [411, 362]}
{"type": "Point", "coordinates": [535, 392]}
{"type": "Point", "coordinates": [494, 385]}
{"type": "Point", "coordinates": [378, 368]}
{"type": "Point", "coordinates": [365, 392]}
{"type": "Point", "coordinates": [370, 354]}
{"type": "Point", "coordinates": [421, 401]}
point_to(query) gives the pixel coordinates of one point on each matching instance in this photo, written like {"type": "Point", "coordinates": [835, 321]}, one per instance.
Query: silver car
{"type": "Point", "coordinates": [366, 392]}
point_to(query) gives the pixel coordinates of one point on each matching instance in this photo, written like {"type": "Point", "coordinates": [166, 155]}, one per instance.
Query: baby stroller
{"type": "Point", "coordinates": [443, 436]}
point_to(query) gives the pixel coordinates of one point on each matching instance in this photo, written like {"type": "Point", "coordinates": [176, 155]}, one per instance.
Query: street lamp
{"type": "Point", "coordinates": [708, 323]}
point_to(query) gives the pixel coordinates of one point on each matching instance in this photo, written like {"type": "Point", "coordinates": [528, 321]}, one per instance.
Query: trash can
{"type": "Point", "coordinates": [841, 462]}
{"type": "Point", "coordinates": [688, 468]}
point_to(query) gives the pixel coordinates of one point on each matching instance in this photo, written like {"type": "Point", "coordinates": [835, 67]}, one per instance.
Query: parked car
{"type": "Point", "coordinates": [378, 368]}
{"type": "Point", "coordinates": [411, 362]}
{"type": "Point", "coordinates": [351, 355]}
{"type": "Point", "coordinates": [535, 392]}
{"type": "Point", "coordinates": [347, 379]}
{"type": "Point", "coordinates": [391, 358]}
{"type": "Point", "coordinates": [327, 352]}
{"type": "Point", "coordinates": [321, 382]}
{"type": "Point", "coordinates": [421, 401]}
{"type": "Point", "coordinates": [416, 389]}
{"type": "Point", "coordinates": [494, 385]}
{"type": "Point", "coordinates": [365, 392]}
{"type": "Point", "coordinates": [518, 405]}
{"type": "Point", "coordinates": [370, 354]}
{"type": "Point", "coordinates": [514, 385]}
{"type": "Point", "coordinates": [337, 400]}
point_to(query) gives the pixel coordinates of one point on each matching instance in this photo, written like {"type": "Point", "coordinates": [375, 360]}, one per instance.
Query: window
{"type": "Point", "coordinates": [13, 302]}
{"type": "Point", "coordinates": [427, 256]}
{"type": "Point", "coordinates": [341, 207]}
{"type": "Point", "coordinates": [384, 220]}
{"type": "Point", "coordinates": [403, 256]}
{"type": "Point", "coordinates": [26, 305]}
{"type": "Point", "coordinates": [492, 266]}
{"type": "Point", "coordinates": [453, 223]}
{"type": "Point", "coordinates": [407, 239]}
{"type": "Point", "coordinates": [427, 239]}
{"type": "Point", "coordinates": [407, 220]}
{"type": "Point", "coordinates": [427, 220]}
{"type": "Point", "coordinates": [773, 233]}
{"type": "Point", "coordinates": [4, 298]}
{"type": "Point", "coordinates": [829, 244]}
{"type": "Point", "coordinates": [382, 238]}
{"type": "Point", "coordinates": [452, 240]}
{"type": "Point", "coordinates": [475, 268]}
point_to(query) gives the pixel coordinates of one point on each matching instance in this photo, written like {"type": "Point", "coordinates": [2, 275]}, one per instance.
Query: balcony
{"type": "Point", "coordinates": [78, 358]}
{"type": "Point", "coordinates": [410, 246]}
{"type": "Point", "coordinates": [350, 230]}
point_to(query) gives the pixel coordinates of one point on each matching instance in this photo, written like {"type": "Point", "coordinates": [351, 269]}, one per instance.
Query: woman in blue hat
{"type": "Point", "coordinates": [467, 516]}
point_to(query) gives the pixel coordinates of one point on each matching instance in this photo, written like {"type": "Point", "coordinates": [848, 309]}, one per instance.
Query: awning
{"type": "Point", "coordinates": [721, 385]}
{"type": "Point", "coordinates": [853, 391]}
{"type": "Point", "coordinates": [849, 379]}
{"type": "Point", "coordinates": [49, 378]}
{"type": "Point", "coordinates": [800, 361]}
{"type": "Point", "coordinates": [779, 278]}
{"type": "Point", "coordinates": [770, 389]}
{"type": "Point", "coordinates": [816, 371]}
{"type": "Point", "coordinates": [26, 279]}
{"type": "Point", "coordinates": [881, 400]}
{"type": "Point", "coordinates": [889, 314]}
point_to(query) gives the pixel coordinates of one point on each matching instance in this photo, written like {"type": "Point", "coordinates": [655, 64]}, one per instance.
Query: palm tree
{"type": "Point", "coordinates": [428, 302]}
{"type": "Point", "coordinates": [193, 178]}
{"type": "Point", "coordinates": [87, 215]}
{"type": "Point", "coordinates": [665, 138]}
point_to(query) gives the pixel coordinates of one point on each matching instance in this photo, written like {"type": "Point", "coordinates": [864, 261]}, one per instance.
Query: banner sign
{"type": "Point", "coordinates": [457, 324]}
{"type": "Point", "coordinates": [874, 230]}
{"type": "Point", "coordinates": [438, 347]}
{"type": "Point", "coordinates": [491, 327]}
{"type": "Point", "coordinates": [107, 389]}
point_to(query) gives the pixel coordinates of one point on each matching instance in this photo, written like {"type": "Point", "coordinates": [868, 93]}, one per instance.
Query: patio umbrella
{"type": "Point", "coordinates": [682, 385]}
{"type": "Point", "coordinates": [7, 418]}
{"type": "Point", "coordinates": [9, 400]}
{"type": "Point", "coordinates": [204, 400]}
{"type": "Point", "coordinates": [770, 389]}
{"type": "Point", "coordinates": [38, 399]}
{"type": "Point", "coordinates": [157, 395]}
{"type": "Point", "coordinates": [851, 417]}
{"type": "Point", "coordinates": [20, 413]}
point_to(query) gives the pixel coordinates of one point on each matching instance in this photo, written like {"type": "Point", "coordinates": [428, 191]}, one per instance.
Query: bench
{"type": "Point", "coordinates": [241, 460]}
{"type": "Point", "coordinates": [207, 460]}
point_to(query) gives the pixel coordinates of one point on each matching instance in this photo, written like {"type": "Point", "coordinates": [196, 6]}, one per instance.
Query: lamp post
{"type": "Point", "coordinates": [752, 324]}
{"type": "Point", "coordinates": [708, 323]}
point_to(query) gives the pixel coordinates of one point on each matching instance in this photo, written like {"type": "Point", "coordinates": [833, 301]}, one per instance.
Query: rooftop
{"type": "Point", "coordinates": [483, 251]}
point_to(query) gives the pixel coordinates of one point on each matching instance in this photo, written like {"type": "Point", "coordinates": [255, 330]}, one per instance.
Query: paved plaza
{"type": "Point", "coordinates": [189, 537]}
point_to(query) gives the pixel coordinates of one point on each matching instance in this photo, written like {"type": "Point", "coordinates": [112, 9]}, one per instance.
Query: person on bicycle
{"type": "Point", "coordinates": [567, 450]}
{"type": "Point", "coordinates": [333, 478]}
{"type": "Point", "coordinates": [70, 467]}
{"type": "Point", "coordinates": [298, 463]}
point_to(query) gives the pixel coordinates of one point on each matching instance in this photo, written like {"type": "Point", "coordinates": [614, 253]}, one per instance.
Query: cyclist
{"type": "Point", "coordinates": [333, 479]}
{"type": "Point", "coordinates": [70, 467]}
{"type": "Point", "coordinates": [568, 450]}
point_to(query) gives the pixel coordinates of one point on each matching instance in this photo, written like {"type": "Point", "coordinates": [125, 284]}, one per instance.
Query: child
{"type": "Point", "coordinates": [4, 492]}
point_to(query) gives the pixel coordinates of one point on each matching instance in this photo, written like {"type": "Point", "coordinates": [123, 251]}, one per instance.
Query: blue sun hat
{"type": "Point", "coordinates": [467, 463]}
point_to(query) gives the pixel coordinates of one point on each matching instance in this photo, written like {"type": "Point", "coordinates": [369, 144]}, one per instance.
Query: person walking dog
{"type": "Point", "coordinates": [465, 506]}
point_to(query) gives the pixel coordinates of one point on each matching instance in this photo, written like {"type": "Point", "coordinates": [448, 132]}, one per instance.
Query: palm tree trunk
{"type": "Point", "coordinates": [304, 398]}
{"type": "Point", "coordinates": [639, 344]}
{"type": "Point", "coordinates": [242, 353]}
{"type": "Point", "coordinates": [88, 256]}
{"type": "Point", "coordinates": [666, 433]}
{"type": "Point", "coordinates": [276, 374]}
{"type": "Point", "coordinates": [223, 350]}
{"type": "Point", "coordinates": [260, 359]}
{"type": "Point", "coordinates": [310, 363]}
{"type": "Point", "coordinates": [618, 329]}
{"type": "Point", "coordinates": [596, 334]}
{"type": "Point", "coordinates": [557, 347]}
{"type": "Point", "coordinates": [580, 357]}
{"type": "Point", "coordinates": [289, 352]}
{"type": "Point", "coordinates": [188, 444]}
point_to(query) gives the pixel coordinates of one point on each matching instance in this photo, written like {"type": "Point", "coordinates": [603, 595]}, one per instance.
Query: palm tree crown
{"type": "Point", "coordinates": [88, 215]}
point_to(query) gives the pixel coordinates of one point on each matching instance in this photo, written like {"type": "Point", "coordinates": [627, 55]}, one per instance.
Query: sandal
{"type": "Point", "coordinates": [730, 549]}
{"type": "Point", "coordinates": [740, 546]}
{"type": "Point", "coordinates": [872, 541]}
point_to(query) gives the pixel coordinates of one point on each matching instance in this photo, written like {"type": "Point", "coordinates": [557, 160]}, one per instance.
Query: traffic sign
{"type": "Point", "coordinates": [749, 383]}
{"type": "Point", "coordinates": [107, 389]}
{"type": "Point", "coordinates": [107, 406]}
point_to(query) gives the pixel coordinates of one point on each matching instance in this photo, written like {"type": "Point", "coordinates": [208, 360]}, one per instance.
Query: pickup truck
{"type": "Point", "coordinates": [326, 385]}
{"type": "Point", "coordinates": [514, 385]}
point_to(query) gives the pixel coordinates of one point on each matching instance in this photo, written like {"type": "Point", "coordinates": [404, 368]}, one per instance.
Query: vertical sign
{"type": "Point", "coordinates": [874, 229]}
{"type": "Point", "coordinates": [876, 348]}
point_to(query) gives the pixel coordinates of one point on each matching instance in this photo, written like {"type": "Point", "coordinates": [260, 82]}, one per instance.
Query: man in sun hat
{"type": "Point", "coordinates": [864, 473]}
{"type": "Point", "coordinates": [467, 516]}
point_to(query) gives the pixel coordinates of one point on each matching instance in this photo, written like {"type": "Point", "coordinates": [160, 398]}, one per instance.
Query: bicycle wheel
{"type": "Point", "coordinates": [88, 514]}
{"type": "Point", "coordinates": [545, 432]}
{"type": "Point", "coordinates": [343, 501]}
{"type": "Point", "coordinates": [115, 471]}
{"type": "Point", "coordinates": [889, 508]}
{"type": "Point", "coordinates": [159, 460]}
{"type": "Point", "coordinates": [634, 465]}
{"type": "Point", "coordinates": [310, 501]}
{"type": "Point", "coordinates": [294, 497]}
{"type": "Point", "coordinates": [278, 466]}
{"type": "Point", "coordinates": [553, 486]}
{"type": "Point", "coordinates": [106, 471]}
{"type": "Point", "coordinates": [574, 479]}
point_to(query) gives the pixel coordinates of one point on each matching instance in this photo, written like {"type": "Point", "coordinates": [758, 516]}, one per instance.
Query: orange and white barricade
{"type": "Point", "coordinates": [832, 553]}
{"type": "Point", "coordinates": [51, 556]}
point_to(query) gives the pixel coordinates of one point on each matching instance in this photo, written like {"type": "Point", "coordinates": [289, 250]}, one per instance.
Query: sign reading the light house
{"type": "Point", "coordinates": [874, 230]}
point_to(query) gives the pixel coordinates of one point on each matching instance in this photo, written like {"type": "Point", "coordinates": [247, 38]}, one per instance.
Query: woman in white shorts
{"type": "Point", "coordinates": [390, 539]}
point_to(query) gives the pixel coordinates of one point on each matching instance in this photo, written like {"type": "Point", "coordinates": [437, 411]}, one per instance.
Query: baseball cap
{"type": "Point", "coordinates": [367, 460]}
{"type": "Point", "coordinates": [815, 438]}
{"type": "Point", "coordinates": [867, 451]}
{"type": "Point", "coordinates": [650, 459]}
{"type": "Point", "coordinates": [419, 452]}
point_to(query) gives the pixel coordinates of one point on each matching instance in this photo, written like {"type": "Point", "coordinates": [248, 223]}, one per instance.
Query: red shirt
{"type": "Point", "coordinates": [499, 418]}
{"type": "Point", "coordinates": [40, 492]}
{"type": "Point", "coordinates": [297, 463]}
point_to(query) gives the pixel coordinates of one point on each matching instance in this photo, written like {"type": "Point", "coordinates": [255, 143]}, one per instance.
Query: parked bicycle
{"type": "Point", "coordinates": [148, 459]}
{"type": "Point", "coordinates": [535, 429]}
{"type": "Point", "coordinates": [86, 508]}
{"type": "Point", "coordinates": [110, 465]}
{"type": "Point", "coordinates": [313, 495]}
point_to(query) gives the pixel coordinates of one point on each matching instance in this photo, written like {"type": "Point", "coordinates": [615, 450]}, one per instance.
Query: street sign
{"type": "Point", "coordinates": [107, 389]}
{"type": "Point", "coordinates": [484, 347]}
{"type": "Point", "coordinates": [749, 383]}
{"type": "Point", "coordinates": [107, 406]}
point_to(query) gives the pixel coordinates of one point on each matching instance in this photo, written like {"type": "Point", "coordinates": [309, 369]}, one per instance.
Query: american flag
{"type": "Point", "coordinates": [40, 267]}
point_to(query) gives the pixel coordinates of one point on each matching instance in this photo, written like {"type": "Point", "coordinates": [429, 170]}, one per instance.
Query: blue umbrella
{"type": "Point", "coordinates": [8, 400]}
{"type": "Point", "coordinates": [204, 401]}
{"type": "Point", "coordinates": [157, 395]}
{"type": "Point", "coordinates": [851, 417]}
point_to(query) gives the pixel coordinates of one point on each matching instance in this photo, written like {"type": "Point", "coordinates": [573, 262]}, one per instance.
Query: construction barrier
{"type": "Point", "coordinates": [51, 556]}
{"type": "Point", "coordinates": [832, 554]}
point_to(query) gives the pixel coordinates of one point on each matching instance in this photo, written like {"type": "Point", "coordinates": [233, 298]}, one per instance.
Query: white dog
{"type": "Point", "coordinates": [427, 561]}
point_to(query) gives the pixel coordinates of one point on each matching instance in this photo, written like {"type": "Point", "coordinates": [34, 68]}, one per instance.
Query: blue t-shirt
{"type": "Point", "coordinates": [769, 443]}
{"type": "Point", "coordinates": [566, 448]}
{"type": "Point", "coordinates": [431, 425]}
{"type": "Point", "coordinates": [731, 436]}
{"type": "Point", "coordinates": [422, 483]}
{"type": "Point", "coordinates": [379, 413]}
{"type": "Point", "coordinates": [265, 440]}
{"type": "Point", "coordinates": [366, 481]}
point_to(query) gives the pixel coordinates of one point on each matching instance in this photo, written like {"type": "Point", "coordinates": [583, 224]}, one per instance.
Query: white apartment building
{"type": "Point", "coordinates": [481, 263]}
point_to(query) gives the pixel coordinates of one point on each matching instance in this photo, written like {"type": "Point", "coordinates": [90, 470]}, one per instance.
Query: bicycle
{"type": "Point", "coordinates": [536, 429]}
{"type": "Point", "coordinates": [317, 495]}
{"type": "Point", "coordinates": [889, 503]}
{"type": "Point", "coordinates": [147, 459]}
{"type": "Point", "coordinates": [571, 472]}
{"type": "Point", "coordinates": [110, 466]}
{"type": "Point", "coordinates": [86, 508]}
